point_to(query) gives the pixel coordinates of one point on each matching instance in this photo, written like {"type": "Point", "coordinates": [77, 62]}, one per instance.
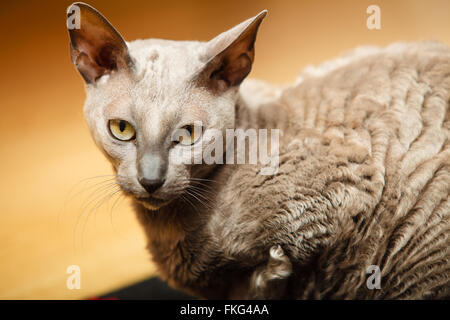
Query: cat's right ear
{"type": "Point", "coordinates": [96, 48]}
{"type": "Point", "coordinates": [230, 55]}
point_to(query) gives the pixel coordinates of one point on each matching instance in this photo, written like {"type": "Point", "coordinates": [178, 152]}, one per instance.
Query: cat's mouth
{"type": "Point", "coordinates": [152, 203]}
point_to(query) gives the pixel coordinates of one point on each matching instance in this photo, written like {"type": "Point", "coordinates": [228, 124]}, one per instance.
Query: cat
{"type": "Point", "coordinates": [362, 182]}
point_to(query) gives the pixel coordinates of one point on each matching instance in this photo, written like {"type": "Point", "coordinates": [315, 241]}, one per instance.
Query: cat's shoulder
{"type": "Point", "coordinates": [256, 92]}
{"type": "Point", "coordinates": [366, 54]}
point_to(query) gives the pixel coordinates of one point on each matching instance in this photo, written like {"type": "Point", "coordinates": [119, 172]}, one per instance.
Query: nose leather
{"type": "Point", "coordinates": [151, 185]}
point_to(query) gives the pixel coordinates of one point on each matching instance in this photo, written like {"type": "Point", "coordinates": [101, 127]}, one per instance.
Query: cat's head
{"type": "Point", "coordinates": [144, 98]}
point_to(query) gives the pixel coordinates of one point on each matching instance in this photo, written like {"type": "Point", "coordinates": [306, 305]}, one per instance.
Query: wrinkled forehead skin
{"type": "Point", "coordinates": [160, 92]}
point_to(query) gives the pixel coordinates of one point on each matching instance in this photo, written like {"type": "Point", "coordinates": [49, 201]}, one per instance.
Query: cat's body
{"type": "Point", "coordinates": [363, 179]}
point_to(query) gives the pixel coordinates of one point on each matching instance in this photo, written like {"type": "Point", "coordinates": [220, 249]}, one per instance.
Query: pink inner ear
{"type": "Point", "coordinates": [97, 48]}
{"type": "Point", "coordinates": [238, 70]}
{"type": "Point", "coordinates": [107, 58]}
{"type": "Point", "coordinates": [89, 69]}
{"type": "Point", "coordinates": [234, 71]}
{"type": "Point", "coordinates": [234, 61]}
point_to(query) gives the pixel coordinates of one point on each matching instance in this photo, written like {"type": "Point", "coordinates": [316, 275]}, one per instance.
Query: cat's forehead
{"type": "Point", "coordinates": [162, 77]}
{"type": "Point", "coordinates": [170, 61]}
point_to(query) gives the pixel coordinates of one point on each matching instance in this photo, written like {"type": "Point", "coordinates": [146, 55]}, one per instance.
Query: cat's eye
{"type": "Point", "coordinates": [187, 135]}
{"type": "Point", "coordinates": [122, 130]}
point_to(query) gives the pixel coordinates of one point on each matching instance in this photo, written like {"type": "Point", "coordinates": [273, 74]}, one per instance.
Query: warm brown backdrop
{"type": "Point", "coordinates": [46, 149]}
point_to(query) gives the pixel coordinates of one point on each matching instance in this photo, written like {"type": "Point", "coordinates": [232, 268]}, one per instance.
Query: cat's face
{"type": "Point", "coordinates": [150, 101]}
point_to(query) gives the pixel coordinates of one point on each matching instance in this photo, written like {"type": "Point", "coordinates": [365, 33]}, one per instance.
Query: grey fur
{"type": "Point", "coordinates": [364, 175]}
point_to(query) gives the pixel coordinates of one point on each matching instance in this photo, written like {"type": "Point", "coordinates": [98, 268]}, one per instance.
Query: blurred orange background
{"type": "Point", "coordinates": [49, 217]}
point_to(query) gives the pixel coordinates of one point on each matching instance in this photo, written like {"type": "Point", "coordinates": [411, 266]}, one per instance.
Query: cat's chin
{"type": "Point", "coordinates": [152, 204]}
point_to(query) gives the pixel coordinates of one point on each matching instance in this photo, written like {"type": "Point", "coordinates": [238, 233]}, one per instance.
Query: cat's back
{"type": "Point", "coordinates": [364, 176]}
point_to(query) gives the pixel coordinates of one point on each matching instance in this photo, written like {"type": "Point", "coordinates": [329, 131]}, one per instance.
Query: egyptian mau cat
{"type": "Point", "coordinates": [363, 177]}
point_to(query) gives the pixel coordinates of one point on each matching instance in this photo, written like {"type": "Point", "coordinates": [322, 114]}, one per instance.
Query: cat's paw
{"type": "Point", "coordinates": [269, 281]}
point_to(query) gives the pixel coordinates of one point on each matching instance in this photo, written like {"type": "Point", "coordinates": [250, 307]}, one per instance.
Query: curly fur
{"type": "Point", "coordinates": [364, 180]}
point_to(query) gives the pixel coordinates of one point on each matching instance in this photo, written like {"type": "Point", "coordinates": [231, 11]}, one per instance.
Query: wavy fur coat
{"type": "Point", "coordinates": [364, 180]}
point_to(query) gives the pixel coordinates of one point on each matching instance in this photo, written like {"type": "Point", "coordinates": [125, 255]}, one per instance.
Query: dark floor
{"type": "Point", "coordinates": [149, 289]}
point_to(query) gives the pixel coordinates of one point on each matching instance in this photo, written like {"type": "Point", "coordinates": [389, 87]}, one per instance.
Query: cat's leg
{"type": "Point", "coordinates": [269, 281]}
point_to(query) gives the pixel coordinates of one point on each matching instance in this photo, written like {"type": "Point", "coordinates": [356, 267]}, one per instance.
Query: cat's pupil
{"type": "Point", "coordinates": [122, 125]}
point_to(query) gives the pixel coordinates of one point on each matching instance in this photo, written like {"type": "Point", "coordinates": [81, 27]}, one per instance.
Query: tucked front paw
{"type": "Point", "coordinates": [269, 281]}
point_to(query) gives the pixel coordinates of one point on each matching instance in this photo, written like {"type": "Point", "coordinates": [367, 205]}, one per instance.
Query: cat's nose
{"type": "Point", "coordinates": [151, 185]}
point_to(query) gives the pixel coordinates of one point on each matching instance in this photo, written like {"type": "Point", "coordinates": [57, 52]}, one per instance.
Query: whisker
{"type": "Point", "coordinates": [110, 176]}
{"type": "Point", "coordinates": [120, 197]}
{"type": "Point", "coordinates": [86, 206]}
{"type": "Point", "coordinates": [201, 179]}
{"type": "Point", "coordinates": [195, 194]}
{"type": "Point", "coordinates": [202, 184]}
{"type": "Point", "coordinates": [100, 189]}
{"type": "Point", "coordinates": [209, 191]}
{"type": "Point", "coordinates": [71, 195]}
{"type": "Point", "coordinates": [189, 202]}
{"type": "Point", "coordinates": [92, 186]}
{"type": "Point", "coordinates": [98, 204]}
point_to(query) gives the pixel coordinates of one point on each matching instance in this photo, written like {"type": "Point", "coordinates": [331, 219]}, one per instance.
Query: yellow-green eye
{"type": "Point", "coordinates": [188, 135]}
{"type": "Point", "coordinates": [122, 129]}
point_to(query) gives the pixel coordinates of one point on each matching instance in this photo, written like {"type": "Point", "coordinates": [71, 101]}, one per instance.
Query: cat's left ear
{"type": "Point", "coordinates": [230, 55]}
